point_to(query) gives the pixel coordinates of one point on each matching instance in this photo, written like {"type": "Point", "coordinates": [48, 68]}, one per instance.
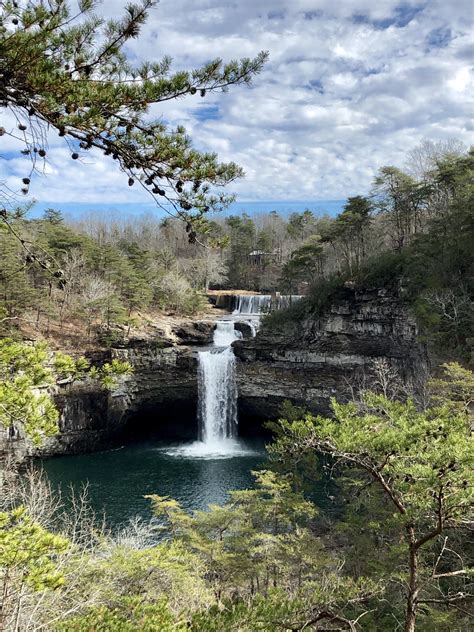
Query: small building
{"type": "Point", "coordinates": [261, 258]}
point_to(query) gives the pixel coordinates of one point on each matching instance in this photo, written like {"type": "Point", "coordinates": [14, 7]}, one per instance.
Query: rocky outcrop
{"type": "Point", "coordinates": [198, 332]}
{"type": "Point", "coordinates": [160, 397]}
{"type": "Point", "coordinates": [306, 362]}
{"type": "Point", "coordinates": [245, 328]}
{"type": "Point", "coordinates": [311, 361]}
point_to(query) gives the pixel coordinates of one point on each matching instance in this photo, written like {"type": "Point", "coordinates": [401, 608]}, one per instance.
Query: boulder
{"type": "Point", "coordinates": [199, 332]}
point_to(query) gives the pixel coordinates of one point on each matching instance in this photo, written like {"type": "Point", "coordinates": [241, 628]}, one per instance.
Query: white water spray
{"type": "Point", "coordinates": [224, 334]}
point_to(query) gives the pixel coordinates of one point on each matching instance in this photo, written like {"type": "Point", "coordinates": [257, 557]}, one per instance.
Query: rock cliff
{"type": "Point", "coordinates": [159, 397]}
{"type": "Point", "coordinates": [306, 362]}
{"type": "Point", "coordinates": [311, 361]}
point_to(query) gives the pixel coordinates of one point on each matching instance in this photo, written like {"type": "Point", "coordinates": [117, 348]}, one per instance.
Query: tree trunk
{"type": "Point", "coordinates": [413, 589]}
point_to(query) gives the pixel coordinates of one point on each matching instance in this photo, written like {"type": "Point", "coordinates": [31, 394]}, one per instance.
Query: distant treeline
{"type": "Point", "coordinates": [101, 272]}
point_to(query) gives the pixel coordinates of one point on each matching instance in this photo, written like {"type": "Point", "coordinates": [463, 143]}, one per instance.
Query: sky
{"type": "Point", "coordinates": [350, 86]}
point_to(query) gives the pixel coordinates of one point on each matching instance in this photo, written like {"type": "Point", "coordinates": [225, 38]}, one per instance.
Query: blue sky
{"type": "Point", "coordinates": [350, 86]}
{"type": "Point", "coordinates": [74, 210]}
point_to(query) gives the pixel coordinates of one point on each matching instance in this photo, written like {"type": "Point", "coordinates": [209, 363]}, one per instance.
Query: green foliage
{"type": "Point", "coordinates": [301, 225]}
{"type": "Point", "coordinates": [305, 262]}
{"type": "Point", "coordinates": [110, 338]}
{"type": "Point", "coordinates": [306, 471]}
{"type": "Point", "coordinates": [27, 551]}
{"type": "Point", "coordinates": [17, 294]}
{"type": "Point", "coordinates": [67, 70]}
{"type": "Point", "coordinates": [23, 372]}
{"type": "Point", "coordinates": [242, 235]}
{"type": "Point", "coordinates": [290, 412]}
{"type": "Point", "coordinates": [131, 614]}
{"type": "Point", "coordinates": [418, 453]}
{"type": "Point", "coordinates": [26, 374]}
{"type": "Point", "coordinates": [28, 561]}
{"type": "Point", "coordinates": [75, 278]}
{"type": "Point", "coordinates": [455, 389]}
{"type": "Point", "coordinates": [420, 464]}
{"type": "Point", "coordinates": [66, 367]}
{"type": "Point", "coordinates": [259, 539]}
{"type": "Point", "coordinates": [167, 569]}
{"type": "Point", "coordinates": [384, 271]}
{"type": "Point", "coordinates": [314, 304]}
{"type": "Point", "coordinates": [315, 604]}
{"type": "Point", "coordinates": [139, 587]}
{"type": "Point", "coordinates": [111, 371]}
{"type": "Point", "coordinates": [350, 230]}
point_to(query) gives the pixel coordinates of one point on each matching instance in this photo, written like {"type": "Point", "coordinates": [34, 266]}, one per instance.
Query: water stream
{"type": "Point", "coordinates": [217, 388]}
{"type": "Point", "coordinates": [217, 400]}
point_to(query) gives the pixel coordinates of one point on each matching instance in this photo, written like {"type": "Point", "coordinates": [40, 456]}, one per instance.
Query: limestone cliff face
{"type": "Point", "coordinates": [306, 362]}
{"type": "Point", "coordinates": [311, 361]}
{"type": "Point", "coordinates": [161, 393]}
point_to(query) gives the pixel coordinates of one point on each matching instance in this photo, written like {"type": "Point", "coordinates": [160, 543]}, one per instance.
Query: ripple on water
{"type": "Point", "coordinates": [119, 480]}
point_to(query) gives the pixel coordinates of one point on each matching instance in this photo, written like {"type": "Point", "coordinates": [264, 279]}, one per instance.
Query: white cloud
{"type": "Point", "coordinates": [350, 86]}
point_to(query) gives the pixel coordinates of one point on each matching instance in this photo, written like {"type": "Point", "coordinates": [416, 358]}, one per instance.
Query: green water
{"type": "Point", "coordinates": [118, 479]}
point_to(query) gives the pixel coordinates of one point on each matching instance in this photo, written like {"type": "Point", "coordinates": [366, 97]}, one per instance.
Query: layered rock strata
{"type": "Point", "coordinates": [310, 362]}
{"type": "Point", "coordinates": [307, 362]}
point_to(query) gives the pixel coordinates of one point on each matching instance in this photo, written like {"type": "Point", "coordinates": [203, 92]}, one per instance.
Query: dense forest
{"type": "Point", "coordinates": [416, 229]}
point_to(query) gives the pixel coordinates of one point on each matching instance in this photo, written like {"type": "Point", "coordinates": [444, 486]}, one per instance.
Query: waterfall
{"type": "Point", "coordinates": [217, 388]}
{"type": "Point", "coordinates": [260, 303]}
{"type": "Point", "coordinates": [217, 407]}
{"type": "Point", "coordinates": [217, 401]}
{"type": "Point", "coordinates": [253, 303]}
{"type": "Point", "coordinates": [225, 333]}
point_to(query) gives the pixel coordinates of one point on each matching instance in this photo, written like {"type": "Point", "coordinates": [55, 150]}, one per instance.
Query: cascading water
{"type": "Point", "coordinates": [217, 388]}
{"type": "Point", "coordinates": [217, 400]}
{"type": "Point", "coordinates": [254, 304]}
{"type": "Point", "coordinates": [224, 334]}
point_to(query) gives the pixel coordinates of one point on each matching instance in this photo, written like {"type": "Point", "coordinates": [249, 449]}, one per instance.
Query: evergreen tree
{"type": "Point", "coordinates": [305, 264]}
{"type": "Point", "coordinates": [400, 200]}
{"type": "Point", "coordinates": [242, 243]}
{"type": "Point", "coordinates": [16, 291]}
{"type": "Point", "coordinates": [66, 69]}
{"type": "Point", "coordinates": [26, 374]}
{"type": "Point", "coordinates": [28, 560]}
{"type": "Point", "coordinates": [420, 461]}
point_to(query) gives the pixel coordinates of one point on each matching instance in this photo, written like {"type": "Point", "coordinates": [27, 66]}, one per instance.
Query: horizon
{"type": "Point", "coordinates": [349, 88]}
{"type": "Point", "coordinates": [127, 210]}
